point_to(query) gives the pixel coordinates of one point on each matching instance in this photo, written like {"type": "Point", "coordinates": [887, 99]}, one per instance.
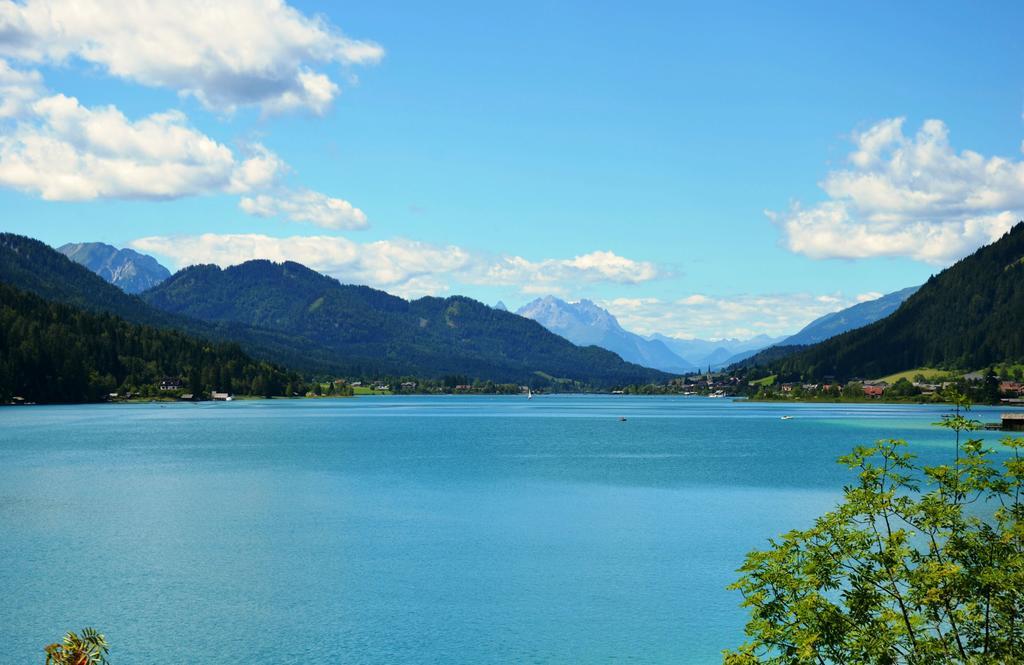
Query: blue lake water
{"type": "Point", "coordinates": [411, 529]}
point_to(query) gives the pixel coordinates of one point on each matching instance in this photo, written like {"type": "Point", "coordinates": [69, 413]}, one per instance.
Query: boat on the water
{"type": "Point", "coordinates": [786, 418]}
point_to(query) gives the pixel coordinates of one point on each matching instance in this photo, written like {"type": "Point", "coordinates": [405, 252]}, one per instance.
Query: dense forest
{"type": "Point", "coordinates": [966, 317]}
{"type": "Point", "coordinates": [58, 353]}
{"type": "Point", "coordinates": [375, 332]}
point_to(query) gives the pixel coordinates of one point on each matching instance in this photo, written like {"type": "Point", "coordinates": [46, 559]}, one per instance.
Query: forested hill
{"type": "Point", "coordinates": [967, 317]}
{"type": "Point", "coordinates": [376, 331]}
{"type": "Point", "coordinates": [30, 265]}
{"type": "Point", "coordinates": [51, 352]}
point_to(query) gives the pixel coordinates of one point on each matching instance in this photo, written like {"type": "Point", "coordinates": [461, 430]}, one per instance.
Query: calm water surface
{"type": "Point", "coordinates": [410, 529]}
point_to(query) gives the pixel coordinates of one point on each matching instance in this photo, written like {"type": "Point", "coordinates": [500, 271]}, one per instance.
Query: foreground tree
{"type": "Point", "coordinates": [916, 565]}
{"type": "Point", "coordinates": [89, 648]}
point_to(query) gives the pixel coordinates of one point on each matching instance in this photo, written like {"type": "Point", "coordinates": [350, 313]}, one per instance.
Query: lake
{"type": "Point", "coordinates": [411, 529]}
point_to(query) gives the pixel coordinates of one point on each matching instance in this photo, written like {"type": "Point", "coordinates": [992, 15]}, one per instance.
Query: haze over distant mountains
{"type": "Point", "coordinates": [584, 323]}
{"type": "Point", "coordinates": [127, 269]}
{"type": "Point", "coordinates": [850, 318]}
{"type": "Point", "coordinates": [716, 353]}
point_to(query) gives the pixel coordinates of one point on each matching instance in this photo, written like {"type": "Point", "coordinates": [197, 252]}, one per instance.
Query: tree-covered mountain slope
{"type": "Point", "coordinates": [970, 315]}
{"type": "Point", "coordinates": [30, 265]}
{"type": "Point", "coordinates": [373, 330]}
{"type": "Point", "coordinates": [851, 318]}
{"type": "Point", "coordinates": [50, 352]}
{"type": "Point", "coordinates": [126, 269]}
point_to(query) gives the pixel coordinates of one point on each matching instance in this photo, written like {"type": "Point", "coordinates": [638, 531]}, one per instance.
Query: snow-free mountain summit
{"type": "Point", "coordinates": [127, 269]}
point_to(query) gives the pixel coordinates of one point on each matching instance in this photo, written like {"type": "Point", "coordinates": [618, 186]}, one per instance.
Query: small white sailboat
{"type": "Point", "coordinates": [529, 394]}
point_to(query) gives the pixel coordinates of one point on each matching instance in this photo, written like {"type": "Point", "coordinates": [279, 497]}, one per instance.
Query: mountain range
{"type": "Point", "coordinates": [716, 353]}
{"type": "Point", "coordinates": [127, 269]}
{"type": "Point", "coordinates": [967, 316]}
{"type": "Point", "coordinates": [584, 323]}
{"type": "Point", "coordinates": [292, 315]}
{"type": "Point", "coordinates": [373, 329]}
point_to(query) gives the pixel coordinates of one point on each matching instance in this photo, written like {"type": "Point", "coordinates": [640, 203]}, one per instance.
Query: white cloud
{"type": "Point", "coordinates": [908, 196]}
{"type": "Point", "coordinates": [714, 317]}
{"type": "Point", "coordinates": [18, 89]}
{"type": "Point", "coordinates": [225, 54]}
{"type": "Point", "coordinates": [870, 295]}
{"type": "Point", "coordinates": [547, 275]}
{"type": "Point", "coordinates": [307, 206]}
{"type": "Point", "coordinates": [64, 151]}
{"type": "Point", "coordinates": [402, 266]}
{"type": "Point", "coordinates": [259, 170]}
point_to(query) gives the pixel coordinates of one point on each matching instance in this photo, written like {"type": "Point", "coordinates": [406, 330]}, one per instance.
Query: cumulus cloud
{"type": "Point", "coordinates": [18, 89]}
{"type": "Point", "coordinates": [909, 196]}
{"type": "Point", "coordinates": [550, 275]}
{"type": "Point", "coordinates": [406, 267]}
{"type": "Point", "coordinates": [307, 206]}
{"type": "Point", "coordinates": [741, 316]}
{"type": "Point", "coordinates": [65, 151]}
{"type": "Point", "coordinates": [400, 265]}
{"type": "Point", "coordinates": [225, 54]}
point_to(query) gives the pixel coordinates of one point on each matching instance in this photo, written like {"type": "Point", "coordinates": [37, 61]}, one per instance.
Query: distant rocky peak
{"type": "Point", "coordinates": [127, 269]}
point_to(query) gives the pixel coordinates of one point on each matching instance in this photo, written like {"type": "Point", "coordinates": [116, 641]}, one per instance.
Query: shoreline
{"type": "Point", "coordinates": [731, 398]}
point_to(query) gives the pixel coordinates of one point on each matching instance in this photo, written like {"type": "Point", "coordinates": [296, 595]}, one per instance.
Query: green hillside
{"type": "Point", "coordinates": [377, 332]}
{"type": "Point", "coordinates": [967, 316]}
{"type": "Point", "coordinates": [30, 265]}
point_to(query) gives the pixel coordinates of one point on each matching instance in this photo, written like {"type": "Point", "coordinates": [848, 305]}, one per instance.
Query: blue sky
{"type": "Point", "coordinates": [699, 169]}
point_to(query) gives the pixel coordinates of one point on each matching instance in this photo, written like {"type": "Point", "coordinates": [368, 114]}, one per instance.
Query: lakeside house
{"type": "Point", "coordinates": [1011, 388]}
{"type": "Point", "coordinates": [1013, 422]}
{"type": "Point", "coordinates": [874, 391]}
{"type": "Point", "coordinates": [221, 397]}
